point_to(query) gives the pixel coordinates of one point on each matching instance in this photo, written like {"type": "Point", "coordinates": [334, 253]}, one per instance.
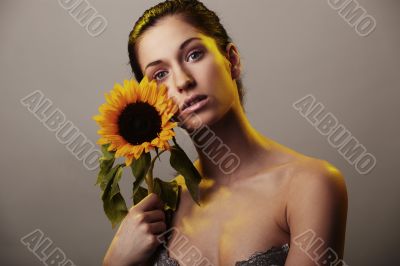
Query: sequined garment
{"type": "Point", "coordinates": [272, 257]}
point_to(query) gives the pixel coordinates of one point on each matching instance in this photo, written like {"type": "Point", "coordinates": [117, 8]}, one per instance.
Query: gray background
{"type": "Point", "coordinates": [289, 49]}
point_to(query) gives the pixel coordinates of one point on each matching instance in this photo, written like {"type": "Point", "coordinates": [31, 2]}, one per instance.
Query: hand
{"type": "Point", "coordinates": [136, 238]}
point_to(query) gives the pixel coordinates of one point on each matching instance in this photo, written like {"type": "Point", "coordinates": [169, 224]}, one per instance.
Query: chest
{"type": "Point", "coordinates": [230, 224]}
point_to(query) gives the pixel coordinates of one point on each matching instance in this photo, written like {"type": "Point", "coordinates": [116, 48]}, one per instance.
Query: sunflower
{"type": "Point", "coordinates": [136, 119]}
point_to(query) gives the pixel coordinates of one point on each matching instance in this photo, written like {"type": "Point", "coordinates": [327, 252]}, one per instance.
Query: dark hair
{"type": "Point", "coordinates": [193, 12]}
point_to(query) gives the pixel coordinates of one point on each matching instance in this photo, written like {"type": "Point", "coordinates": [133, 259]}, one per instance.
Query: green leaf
{"type": "Point", "coordinates": [106, 163]}
{"type": "Point", "coordinates": [108, 177]}
{"type": "Point", "coordinates": [113, 203]}
{"type": "Point", "coordinates": [116, 179]}
{"type": "Point", "coordinates": [184, 166]}
{"type": "Point", "coordinates": [115, 209]}
{"type": "Point", "coordinates": [139, 169]}
{"type": "Point", "coordinates": [174, 140]}
{"type": "Point", "coordinates": [107, 154]}
{"type": "Point", "coordinates": [140, 194]}
{"type": "Point", "coordinates": [168, 192]}
{"type": "Point", "coordinates": [105, 167]}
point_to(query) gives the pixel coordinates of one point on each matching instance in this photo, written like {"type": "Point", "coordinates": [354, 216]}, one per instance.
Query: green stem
{"type": "Point", "coordinates": [150, 183]}
{"type": "Point", "coordinates": [149, 174]}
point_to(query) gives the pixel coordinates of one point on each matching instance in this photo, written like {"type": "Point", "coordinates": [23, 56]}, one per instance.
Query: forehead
{"type": "Point", "coordinates": [163, 39]}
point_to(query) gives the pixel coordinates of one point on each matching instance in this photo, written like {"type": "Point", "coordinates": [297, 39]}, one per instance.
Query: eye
{"type": "Point", "coordinates": [157, 75]}
{"type": "Point", "coordinates": [195, 54]}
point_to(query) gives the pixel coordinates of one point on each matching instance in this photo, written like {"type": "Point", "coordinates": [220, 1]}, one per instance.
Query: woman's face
{"type": "Point", "coordinates": [189, 63]}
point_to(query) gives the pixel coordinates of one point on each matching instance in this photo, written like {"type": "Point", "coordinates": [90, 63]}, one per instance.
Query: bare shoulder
{"type": "Point", "coordinates": [316, 197]}
{"type": "Point", "coordinates": [316, 176]}
{"type": "Point", "coordinates": [304, 173]}
{"type": "Point", "coordinates": [316, 201]}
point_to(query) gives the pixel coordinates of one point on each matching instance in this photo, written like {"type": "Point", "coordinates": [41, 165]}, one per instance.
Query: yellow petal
{"type": "Point", "coordinates": [147, 146]}
{"type": "Point", "coordinates": [155, 141]}
{"type": "Point", "coordinates": [102, 141]}
{"type": "Point", "coordinates": [134, 90]}
{"type": "Point", "coordinates": [128, 160]}
{"type": "Point", "coordinates": [144, 83]}
{"type": "Point", "coordinates": [152, 96]}
{"type": "Point", "coordinates": [138, 151]}
{"type": "Point", "coordinates": [162, 90]}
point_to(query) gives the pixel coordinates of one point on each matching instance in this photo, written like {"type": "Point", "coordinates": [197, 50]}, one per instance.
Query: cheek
{"type": "Point", "coordinates": [219, 82]}
{"type": "Point", "coordinates": [213, 74]}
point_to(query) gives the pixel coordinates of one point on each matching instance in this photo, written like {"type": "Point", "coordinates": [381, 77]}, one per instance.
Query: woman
{"type": "Point", "coordinates": [275, 206]}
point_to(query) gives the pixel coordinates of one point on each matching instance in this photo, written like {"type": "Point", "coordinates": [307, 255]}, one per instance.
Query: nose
{"type": "Point", "coordinates": [183, 80]}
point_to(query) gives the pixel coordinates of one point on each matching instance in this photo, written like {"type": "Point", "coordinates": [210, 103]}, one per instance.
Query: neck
{"type": "Point", "coordinates": [229, 146]}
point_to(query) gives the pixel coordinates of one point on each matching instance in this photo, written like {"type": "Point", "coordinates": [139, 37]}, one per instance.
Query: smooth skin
{"type": "Point", "coordinates": [275, 195]}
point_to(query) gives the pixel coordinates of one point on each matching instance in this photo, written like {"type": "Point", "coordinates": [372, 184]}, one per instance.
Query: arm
{"type": "Point", "coordinates": [316, 215]}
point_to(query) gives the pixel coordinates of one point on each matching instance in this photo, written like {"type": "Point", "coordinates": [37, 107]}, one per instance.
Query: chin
{"type": "Point", "coordinates": [194, 121]}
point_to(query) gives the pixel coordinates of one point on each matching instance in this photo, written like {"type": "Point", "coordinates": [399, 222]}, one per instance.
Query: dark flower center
{"type": "Point", "coordinates": [139, 122]}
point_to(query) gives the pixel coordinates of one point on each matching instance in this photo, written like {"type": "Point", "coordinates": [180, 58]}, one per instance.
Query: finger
{"type": "Point", "coordinates": [160, 204]}
{"type": "Point", "coordinates": [154, 216]}
{"type": "Point", "coordinates": [149, 203]}
{"type": "Point", "coordinates": [157, 227]}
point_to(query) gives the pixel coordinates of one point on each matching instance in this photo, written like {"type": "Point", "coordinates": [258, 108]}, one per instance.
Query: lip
{"type": "Point", "coordinates": [190, 99]}
{"type": "Point", "coordinates": [195, 106]}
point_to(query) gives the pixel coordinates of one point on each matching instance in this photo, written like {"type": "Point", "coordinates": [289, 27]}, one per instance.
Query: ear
{"type": "Point", "coordinates": [234, 59]}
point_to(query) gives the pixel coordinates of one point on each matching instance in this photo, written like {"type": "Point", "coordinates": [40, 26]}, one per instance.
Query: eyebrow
{"type": "Point", "coordinates": [183, 45]}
